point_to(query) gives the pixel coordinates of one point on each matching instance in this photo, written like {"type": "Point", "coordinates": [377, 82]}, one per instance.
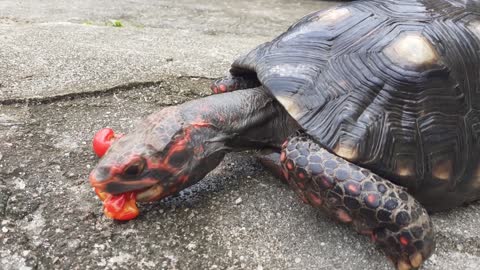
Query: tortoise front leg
{"type": "Point", "coordinates": [398, 223]}
{"type": "Point", "coordinates": [233, 83]}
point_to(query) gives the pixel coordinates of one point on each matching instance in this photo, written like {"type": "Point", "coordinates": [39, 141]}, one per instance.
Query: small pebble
{"type": "Point", "coordinates": [238, 201]}
{"type": "Point", "coordinates": [298, 260]}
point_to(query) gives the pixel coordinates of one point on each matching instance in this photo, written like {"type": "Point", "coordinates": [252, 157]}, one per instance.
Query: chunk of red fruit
{"type": "Point", "coordinates": [103, 139]}
{"type": "Point", "coordinates": [121, 207]}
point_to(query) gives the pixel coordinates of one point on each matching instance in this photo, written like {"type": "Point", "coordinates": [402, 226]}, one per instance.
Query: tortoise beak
{"type": "Point", "coordinates": [103, 180]}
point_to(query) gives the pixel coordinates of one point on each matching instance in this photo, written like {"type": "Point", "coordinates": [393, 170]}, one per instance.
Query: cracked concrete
{"type": "Point", "coordinates": [56, 47]}
{"type": "Point", "coordinates": [68, 73]}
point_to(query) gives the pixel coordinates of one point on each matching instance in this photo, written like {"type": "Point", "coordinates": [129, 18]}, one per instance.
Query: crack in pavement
{"type": "Point", "coordinates": [101, 92]}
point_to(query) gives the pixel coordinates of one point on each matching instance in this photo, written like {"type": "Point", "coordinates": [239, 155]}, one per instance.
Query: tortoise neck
{"type": "Point", "coordinates": [243, 119]}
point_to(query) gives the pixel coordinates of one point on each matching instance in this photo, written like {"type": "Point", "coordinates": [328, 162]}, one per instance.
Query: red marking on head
{"type": "Point", "coordinates": [183, 179]}
{"type": "Point", "coordinates": [403, 240]}
{"type": "Point", "coordinates": [283, 157]}
{"type": "Point", "coordinates": [182, 143]}
{"type": "Point", "coordinates": [285, 144]}
{"type": "Point", "coordinates": [178, 146]}
{"type": "Point", "coordinates": [222, 88]}
{"type": "Point", "coordinates": [314, 199]}
{"type": "Point", "coordinates": [290, 165]}
{"type": "Point", "coordinates": [301, 175]}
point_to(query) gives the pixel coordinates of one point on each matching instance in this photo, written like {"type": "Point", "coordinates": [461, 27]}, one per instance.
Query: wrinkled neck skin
{"type": "Point", "coordinates": [183, 143]}
{"type": "Point", "coordinates": [245, 119]}
{"type": "Point", "coordinates": [235, 121]}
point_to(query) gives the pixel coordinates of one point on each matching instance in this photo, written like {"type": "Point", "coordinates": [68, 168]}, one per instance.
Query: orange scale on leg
{"type": "Point", "coordinates": [314, 199]}
{"type": "Point", "coordinates": [343, 216]}
{"type": "Point", "coordinates": [290, 165]}
{"type": "Point", "coordinates": [404, 241]}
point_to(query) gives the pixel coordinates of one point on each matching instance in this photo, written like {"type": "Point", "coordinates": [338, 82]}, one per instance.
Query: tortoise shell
{"type": "Point", "coordinates": [393, 86]}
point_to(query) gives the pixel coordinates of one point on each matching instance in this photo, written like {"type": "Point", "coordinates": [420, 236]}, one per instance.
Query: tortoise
{"type": "Point", "coordinates": [373, 109]}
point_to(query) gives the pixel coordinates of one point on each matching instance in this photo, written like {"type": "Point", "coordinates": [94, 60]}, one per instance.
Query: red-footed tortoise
{"type": "Point", "coordinates": [374, 107]}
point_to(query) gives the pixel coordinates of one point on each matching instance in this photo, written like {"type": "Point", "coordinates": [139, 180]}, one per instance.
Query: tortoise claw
{"type": "Point", "coordinates": [416, 260]}
{"type": "Point", "coordinates": [402, 265]}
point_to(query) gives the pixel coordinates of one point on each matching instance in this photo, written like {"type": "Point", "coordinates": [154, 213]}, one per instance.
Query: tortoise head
{"type": "Point", "coordinates": [163, 155]}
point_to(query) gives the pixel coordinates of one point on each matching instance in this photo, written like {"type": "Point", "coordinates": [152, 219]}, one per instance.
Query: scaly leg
{"type": "Point", "coordinates": [398, 224]}
{"type": "Point", "coordinates": [233, 83]}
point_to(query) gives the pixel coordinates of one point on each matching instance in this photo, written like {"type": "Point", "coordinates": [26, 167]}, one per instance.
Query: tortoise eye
{"type": "Point", "coordinates": [135, 168]}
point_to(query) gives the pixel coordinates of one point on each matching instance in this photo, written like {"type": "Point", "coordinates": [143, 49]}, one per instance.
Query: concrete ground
{"type": "Point", "coordinates": [66, 71]}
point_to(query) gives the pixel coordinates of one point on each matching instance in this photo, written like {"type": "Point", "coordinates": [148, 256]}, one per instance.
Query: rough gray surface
{"type": "Point", "coordinates": [58, 47]}
{"type": "Point", "coordinates": [50, 217]}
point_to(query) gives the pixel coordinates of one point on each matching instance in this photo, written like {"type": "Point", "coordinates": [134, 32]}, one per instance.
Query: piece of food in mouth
{"type": "Point", "coordinates": [119, 207]}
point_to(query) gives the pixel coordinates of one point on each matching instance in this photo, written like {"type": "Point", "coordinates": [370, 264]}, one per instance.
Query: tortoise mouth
{"type": "Point", "coordinates": [153, 193]}
{"type": "Point", "coordinates": [148, 194]}
{"type": "Point", "coordinates": [145, 190]}
{"type": "Point", "coordinates": [123, 206]}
